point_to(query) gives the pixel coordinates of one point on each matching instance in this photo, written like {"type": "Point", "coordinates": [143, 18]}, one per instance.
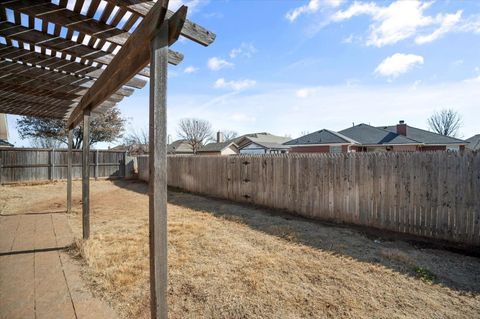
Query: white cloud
{"type": "Point", "coordinates": [397, 64]}
{"type": "Point", "coordinates": [234, 85]}
{"type": "Point", "coordinates": [405, 19]}
{"type": "Point", "coordinates": [473, 80]}
{"type": "Point", "coordinates": [246, 50]}
{"type": "Point", "coordinates": [304, 93]}
{"type": "Point", "coordinates": [311, 7]}
{"type": "Point", "coordinates": [216, 64]}
{"type": "Point", "coordinates": [193, 5]}
{"type": "Point", "coordinates": [399, 21]}
{"type": "Point", "coordinates": [190, 69]}
{"type": "Point", "coordinates": [447, 24]}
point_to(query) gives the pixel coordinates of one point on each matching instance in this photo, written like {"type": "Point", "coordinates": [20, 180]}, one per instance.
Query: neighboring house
{"type": "Point", "coordinates": [430, 141]}
{"type": "Point", "coordinates": [179, 147]}
{"type": "Point", "coordinates": [223, 148]}
{"type": "Point", "coordinates": [133, 149]}
{"type": "Point", "coordinates": [366, 138]}
{"type": "Point", "coordinates": [4, 131]}
{"type": "Point", "coordinates": [474, 143]}
{"type": "Point", "coordinates": [261, 143]}
{"type": "Point", "coordinates": [323, 141]}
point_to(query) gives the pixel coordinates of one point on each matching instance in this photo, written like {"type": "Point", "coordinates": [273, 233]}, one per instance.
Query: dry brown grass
{"type": "Point", "coordinates": [232, 261]}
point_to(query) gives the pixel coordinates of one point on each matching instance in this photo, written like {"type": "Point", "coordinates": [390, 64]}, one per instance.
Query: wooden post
{"type": "Point", "coordinates": [158, 174]}
{"type": "Point", "coordinates": [86, 175]}
{"type": "Point", "coordinates": [69, 170]}
{"type": "Point", "coordinates": [51, 165]}
{"type": "Point", "coordinates": [1, 167]}
{"type": "Point", "coordinates": [125, 164]}
{"type": "Point", "coordinates": [96, 164]}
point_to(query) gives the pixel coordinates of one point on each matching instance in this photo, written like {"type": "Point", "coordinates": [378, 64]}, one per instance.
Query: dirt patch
{"type": "Point", "coordinates": [233, 261]}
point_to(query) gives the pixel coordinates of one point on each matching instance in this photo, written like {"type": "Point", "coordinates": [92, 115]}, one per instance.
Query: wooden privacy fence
{"type": "Point", "coordinates": [32, 164]}
{"type": "Point", "coordinates": [435, 195]}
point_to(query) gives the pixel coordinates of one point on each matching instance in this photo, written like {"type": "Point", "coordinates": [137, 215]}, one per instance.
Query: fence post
{"type": "Point", "coordinates": [125, 164]}
{"type": "Point", "coordinates": [86, 175]}
{"type": "Point", "coordinates": [51, 154]}
{"type": "Point", "coordinates": [69, 170]}
{"type": "Point", "coordinates": [1, 167]}
{"type": "Point", "coordinates": [96, 164]}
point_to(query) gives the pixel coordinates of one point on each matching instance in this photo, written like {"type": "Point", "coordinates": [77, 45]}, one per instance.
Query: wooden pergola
{"type": "Point", "coordinates": [73, 59]}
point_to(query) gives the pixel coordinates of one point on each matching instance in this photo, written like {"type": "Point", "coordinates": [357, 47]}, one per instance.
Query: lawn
{"type": "Point", "coordinates": [232, 261]}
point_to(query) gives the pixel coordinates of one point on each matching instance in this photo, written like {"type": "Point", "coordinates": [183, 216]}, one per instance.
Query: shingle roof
{"type": "Point", "coordinates": [269, 145]}
{"type": "Point", "coordinates": [262, 137]}
{"type": "Point", "coordinates": [216, 147]}
{"type": "Point", "coordinates": [5, 143]}
{"type": "Point", "coordinates": [424, 136]}
{"type": "Point", "coordinates": [321, 137]}
{"type": "Point", "coordinates": [179, 146]}
{"type": "Point", "coordinates": [474, 142]}
{"type": "Point", "coordinates": [370, 135]}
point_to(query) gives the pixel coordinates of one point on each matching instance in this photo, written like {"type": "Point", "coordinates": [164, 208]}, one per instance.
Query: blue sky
{"type": "Point", "coordinates": [288, 67]}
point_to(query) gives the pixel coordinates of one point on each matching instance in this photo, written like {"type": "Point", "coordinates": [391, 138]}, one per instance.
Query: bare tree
{"type": "Point", "coordinates": [45, 142]}
{"type": "Point", "coordinates": [229, 135]}
{"type": "Point", "coordinates": [104, 127]}
{"type": "Point", "coordinates": [446, 122]}
{"type": "Point", "coordinates": [136, 137]}
{"type": "Point", "coordinates": [195, 131]}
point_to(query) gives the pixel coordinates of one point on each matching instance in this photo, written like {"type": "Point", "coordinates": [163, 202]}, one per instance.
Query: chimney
{"type": "Point", "coordinates": [220, 138]}
{"type": "Point", "coordinates": [402, 128]}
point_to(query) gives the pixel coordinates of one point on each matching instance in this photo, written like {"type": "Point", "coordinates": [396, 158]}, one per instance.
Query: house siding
{"type": "Point", "coordinates": [310, 149]}
{"type": "Point", "coordinates": [430, 148]}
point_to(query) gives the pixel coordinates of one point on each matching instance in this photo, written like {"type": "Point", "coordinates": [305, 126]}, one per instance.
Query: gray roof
{"type": "Point", "coordinates": [370, 135]}
{"type": "Point", "coordinates": [268, 145]}
{"type": "Point", "coordinates": [5, 144]}
{"type": "Point", "coordinates": [179, 147]}
{"type": "Point", "coordinates": [216, 147]}
{"type": "Point", "coordinates": [424, 136]}
{"type": "Point", "coordinates": [322, 137]}
{"type": "Point", "coordinates": [261, 138]}
{"type": "Point", "coordinates": [474, 142]}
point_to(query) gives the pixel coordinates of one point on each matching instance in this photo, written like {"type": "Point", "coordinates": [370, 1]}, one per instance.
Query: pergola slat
{"type": "Point", "coordinates": [46, 11]}
{"type": "Point", "coordinates": [58, 79]}
{"type": "Point", "coordinates": [24, 55]}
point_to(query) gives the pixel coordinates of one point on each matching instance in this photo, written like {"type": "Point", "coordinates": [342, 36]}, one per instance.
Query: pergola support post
{"type": "Point", "coordinates": [69, 170]}
{"type": "Point", "coordinates": [86, 175]}
{"type": "Point", "coordinates": [158, 173]}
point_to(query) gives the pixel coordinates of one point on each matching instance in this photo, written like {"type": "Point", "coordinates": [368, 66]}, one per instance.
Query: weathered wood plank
{"type": "Point", "coordinates": [190, 30]}
{"type": "Point", "coordinates": [158, 161]}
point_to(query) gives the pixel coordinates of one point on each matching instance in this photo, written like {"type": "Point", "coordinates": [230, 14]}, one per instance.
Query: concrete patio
{"type": "Point", "coordinates": [38, 279]}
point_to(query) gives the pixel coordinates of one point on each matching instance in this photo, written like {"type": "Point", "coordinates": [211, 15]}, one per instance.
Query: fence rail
{"type": "Point", "coordinates": [29, 164]}
{"type": "Point", "coordinates": [435, 195]}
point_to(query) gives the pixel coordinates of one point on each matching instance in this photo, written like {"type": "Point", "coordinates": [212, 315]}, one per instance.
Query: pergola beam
{"type": "Point", "coordinates": [189, 30]}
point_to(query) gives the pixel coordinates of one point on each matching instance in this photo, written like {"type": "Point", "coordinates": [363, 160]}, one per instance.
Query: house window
{"type": "Point", "coordinates": [335, 149]}
{"type": "Point", "coordinates": [453, 148]}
